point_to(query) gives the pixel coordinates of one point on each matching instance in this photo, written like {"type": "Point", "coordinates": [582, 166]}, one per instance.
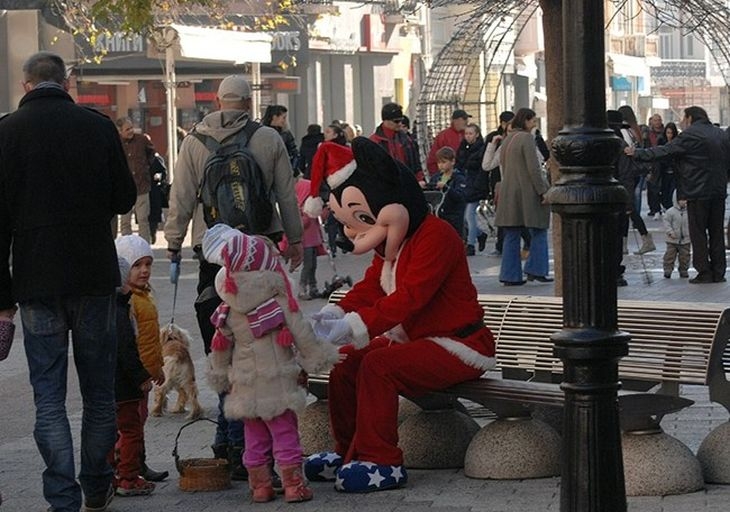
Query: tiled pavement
{"type": "Point", "coordinates": [429, 490]}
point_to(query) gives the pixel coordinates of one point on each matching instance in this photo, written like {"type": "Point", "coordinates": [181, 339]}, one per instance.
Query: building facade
{"type": "Point", "coordinates": [330, 60]}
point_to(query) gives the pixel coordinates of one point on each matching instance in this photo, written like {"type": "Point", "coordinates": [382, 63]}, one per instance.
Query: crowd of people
{"type": "Point", "coordinates": [682, 173]}
{"type": "Point", "coordinates": [368, 195]}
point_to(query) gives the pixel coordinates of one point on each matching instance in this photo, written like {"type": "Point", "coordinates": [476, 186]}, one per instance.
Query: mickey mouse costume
{"type": "Point", "coordinates": [411, 326]}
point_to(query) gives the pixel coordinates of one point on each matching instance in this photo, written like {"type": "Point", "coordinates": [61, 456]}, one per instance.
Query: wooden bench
{"type": "Point", "coordinates": [671, 344]}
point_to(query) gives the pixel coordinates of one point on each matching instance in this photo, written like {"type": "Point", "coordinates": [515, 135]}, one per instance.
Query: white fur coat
{"type": "Point", "coordinates": [260, 374]}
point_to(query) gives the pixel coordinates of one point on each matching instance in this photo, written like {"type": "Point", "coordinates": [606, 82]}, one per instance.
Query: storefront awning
{"type": "Point", "coordinates": [185, 42]}
{"type": "Point", "coordinates": [211, 44]}
{"type": "Point", "coordinates": [626, 65]}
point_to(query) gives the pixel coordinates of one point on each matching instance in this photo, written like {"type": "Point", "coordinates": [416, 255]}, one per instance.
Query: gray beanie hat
{"type": "Point", "coordinates": [133, 248]}
{"type": "Point", "coordinates": [124, 268]}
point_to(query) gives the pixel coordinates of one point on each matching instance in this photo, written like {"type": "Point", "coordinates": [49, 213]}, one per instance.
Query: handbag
{"type": "Point", "coordinates": [7, 331]}
{"type": "Point", "coordinates": [164, 194]}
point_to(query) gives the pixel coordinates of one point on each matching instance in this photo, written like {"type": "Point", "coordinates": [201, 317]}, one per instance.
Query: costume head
{"type": "Point", "coordinates": [377, 199]}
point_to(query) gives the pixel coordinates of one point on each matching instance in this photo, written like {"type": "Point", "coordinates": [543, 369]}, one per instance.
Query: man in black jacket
{"type": "Point", "coordinates": [702, 152]}
{"type": "Point", "coordinates": [398, 144]}
{"type": "Point", "coordinates": [308, 147]}
{"type": "Point", "coordinates": [63, 174]}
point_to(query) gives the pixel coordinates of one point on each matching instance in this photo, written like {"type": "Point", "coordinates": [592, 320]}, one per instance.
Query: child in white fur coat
{"type": "Point", "coordinates": [262, 342]}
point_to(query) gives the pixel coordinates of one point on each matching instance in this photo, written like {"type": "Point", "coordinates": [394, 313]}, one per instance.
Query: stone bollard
{"type": "Point", "coordinates": [656, 464]}
{"type": "Point", "coordinates": [436, 439]}
{"type": "Point", "coordinates": [513, 449]}
{"type": "Point", "coordinates": [314, 428]}
{"type": "Point", "coordinates": [714, 455]}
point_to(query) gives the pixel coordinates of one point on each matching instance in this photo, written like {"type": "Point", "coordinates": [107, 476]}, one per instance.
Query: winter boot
{"type": "Point", "coordinates": [647, 244]}
{"type": "Point", "coordinates": [150, 474]}
{"type": "Point", "coordinates": [295, 485]}
{"type": "Point", "coordinates": [220, 451]}
{"type": "Point", "coordinates": [626, 245]}
{"type": "Point", "coordinates": [259, 481]}
{"type": "Point", "coordinates": [482, 241]}
{"type": "Point", "coordinates": [235, 462]}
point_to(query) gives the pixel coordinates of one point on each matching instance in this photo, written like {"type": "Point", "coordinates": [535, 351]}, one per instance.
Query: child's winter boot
{"type": "Point", "coordinates": [295, 485]}
{"type": "Point", "coordinates": [259, 481]}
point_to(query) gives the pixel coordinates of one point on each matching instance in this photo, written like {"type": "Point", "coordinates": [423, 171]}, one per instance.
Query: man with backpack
{"type": "Point", "coordinates": [228, 144]}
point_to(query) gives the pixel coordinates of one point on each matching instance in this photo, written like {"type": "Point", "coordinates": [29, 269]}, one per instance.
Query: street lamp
{"type": "Point", "coordinates": [588, 202]}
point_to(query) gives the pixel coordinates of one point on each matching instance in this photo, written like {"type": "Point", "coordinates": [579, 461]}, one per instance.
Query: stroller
{"type": "Point", "coordinates": [434, 198]}
{"type": "Point", "coordinates": [485, 218]}
{"type": "Point", "coordinates": [337, 280]}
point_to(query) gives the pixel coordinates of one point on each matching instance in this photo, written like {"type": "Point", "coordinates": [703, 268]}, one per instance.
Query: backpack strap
{"type": "Point", "coordinates": [209, 142]}
{"type": "Point", "coordinates": [243, 136]}
{"type": "Point", "coordinates": [250, 129]}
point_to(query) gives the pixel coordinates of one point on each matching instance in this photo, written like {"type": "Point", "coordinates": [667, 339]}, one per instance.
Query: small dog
{"type": "Point", "coordinates": [179, 373]}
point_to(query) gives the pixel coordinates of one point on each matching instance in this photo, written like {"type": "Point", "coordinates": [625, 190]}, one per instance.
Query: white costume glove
{"type": "Point", "coordinates": [325, 315]}
{"type": "Point", "coordinates": [328, 312]}
{"type": "Point", "coordinates": [335, 331]}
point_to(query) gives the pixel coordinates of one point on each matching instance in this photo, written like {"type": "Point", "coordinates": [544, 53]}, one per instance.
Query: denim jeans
{"type": "Point", "coordinates": [92, 322]}
{"type": "Point", "coordinates": [473, 231]}
{"type": "Point", "coordinates": [510, 270]}
{"type": "Point", "coordinates": [537, 262]}
{"type": "Point", "coordinates": [228, 432]}
{"type": "Point", "coordinates": [639, 186]}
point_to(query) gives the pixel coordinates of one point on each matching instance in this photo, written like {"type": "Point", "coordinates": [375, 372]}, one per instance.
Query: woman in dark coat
{"type": "Point", "coordinates": [668, 167]}
{"type": "Point", "coordinates": [275, 117]}
{"type": "Point", "coordinates": [469, 161]}
{"type": "Point", "coordinates": [522, 204]}
{"type": "Point", "coordinates": [309, 145]}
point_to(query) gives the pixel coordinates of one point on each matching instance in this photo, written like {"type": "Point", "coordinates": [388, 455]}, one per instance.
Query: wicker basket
{"type": "Point", "coordinates": [197, 475]}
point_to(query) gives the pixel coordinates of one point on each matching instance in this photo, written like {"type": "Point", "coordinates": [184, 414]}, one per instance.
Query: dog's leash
{"type": "Point", "coordinates": [174, 278]}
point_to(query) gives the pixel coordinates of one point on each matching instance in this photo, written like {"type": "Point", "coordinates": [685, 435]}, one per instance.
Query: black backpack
{"type": "Point", "coordinates": [233, 190]}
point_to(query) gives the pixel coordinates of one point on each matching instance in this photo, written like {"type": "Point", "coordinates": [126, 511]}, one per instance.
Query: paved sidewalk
{"type": "Point", "coordinates": [428, 491]}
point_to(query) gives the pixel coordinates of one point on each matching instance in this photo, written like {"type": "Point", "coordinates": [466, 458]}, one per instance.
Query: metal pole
{"type": "Point", "coordinates": [256, 93]}
{"type": "Point", "coordinates": [171, 102]}
{"type": "Point", "coordinates": [588, 203]}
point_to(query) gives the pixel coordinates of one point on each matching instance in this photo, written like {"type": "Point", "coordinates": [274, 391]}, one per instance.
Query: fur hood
{"type": "Point", "coordinates": [255, 288]}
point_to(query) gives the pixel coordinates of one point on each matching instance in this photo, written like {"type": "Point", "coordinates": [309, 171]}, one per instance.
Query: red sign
{"type": "Point", "coordinates": [93, 99]}
{"type": "Point", "coordinates": [285, 84]}
{"type": "Point", "coordinates": [205, 96]}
